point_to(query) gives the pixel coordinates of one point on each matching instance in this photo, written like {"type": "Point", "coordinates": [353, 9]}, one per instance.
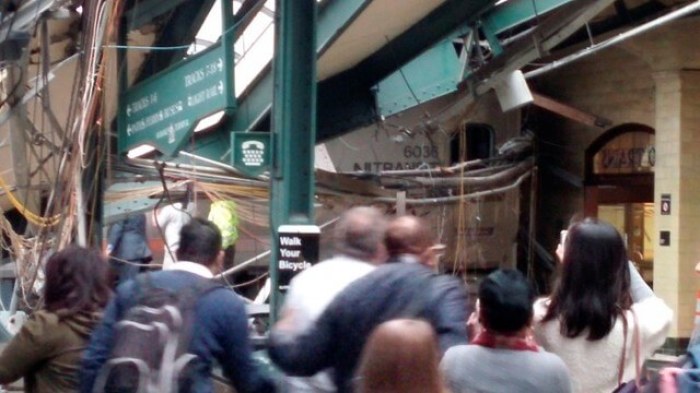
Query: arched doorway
{"type": "Point", "coordinates": [619, 188]}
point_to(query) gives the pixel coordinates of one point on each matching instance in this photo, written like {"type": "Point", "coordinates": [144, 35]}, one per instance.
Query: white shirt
{"type": "Point", "coordinates": [171, 219]}
{"type": "Point", "coordinates": [309, 294]}
{"type": "Point", "coordinates": [593, 365]}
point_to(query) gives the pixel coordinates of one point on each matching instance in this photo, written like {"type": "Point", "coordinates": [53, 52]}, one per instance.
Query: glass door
{"type": "Point", "coordinates": [635, 221]}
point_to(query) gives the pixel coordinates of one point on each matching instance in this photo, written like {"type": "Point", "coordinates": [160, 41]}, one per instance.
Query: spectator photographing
{"type": "Point", "coordinates": [47, 349]}
{"type": "Point", "coordinates": [597, 304]}
{"type": "Point", "coordinates": [503, 357]}
{"type": "Point", "coordinates": [401, 356]}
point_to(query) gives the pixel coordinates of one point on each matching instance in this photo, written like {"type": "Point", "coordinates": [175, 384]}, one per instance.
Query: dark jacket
{"type": "Point", "coordinates": [398, 290]}
{"type": "Point", "coordinates": [47, 351]}
{"type": "Point", "coordinates": [221, 334]}
{"type": "Point", "coordinates": [127, 238]}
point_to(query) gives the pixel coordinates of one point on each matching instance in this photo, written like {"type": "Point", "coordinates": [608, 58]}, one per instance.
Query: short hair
{"type": "Point", "coordinates": [505, 301]}
{"type": "Point", "coordinates": [200, 242]}
{"type": "Point", "coordinates": [408, 235]}
{"type": "Point", "coordinates": [76, 281]}
{"type": "Point", "coordinates": [401, 356]}
{"type": "Point", "coordinates": [594, 284]}
{"type": "Point", "coordinates": [359, 232]}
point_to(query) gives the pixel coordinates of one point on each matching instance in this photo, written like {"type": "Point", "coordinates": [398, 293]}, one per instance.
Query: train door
{"type": "Point", "coordinates": [620, 188]}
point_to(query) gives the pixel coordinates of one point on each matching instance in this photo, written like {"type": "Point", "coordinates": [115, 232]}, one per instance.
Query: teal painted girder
{"type": "Point", "coordinates": [292, 186]}
{"type": "Point", "coordinates": [515, 12]}
{"type": "Point", "coordinates": [334, 16]}
{"type": "Point", "coordinates": [434, 73]}
{"type": "Point", "coordinates": [438, 71]}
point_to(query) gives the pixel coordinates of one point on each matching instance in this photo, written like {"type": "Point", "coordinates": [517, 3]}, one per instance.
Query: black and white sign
{"type": "Point", "coordinates": [665, 204]}
{"type": "Point", "coordinates": [298, 251]}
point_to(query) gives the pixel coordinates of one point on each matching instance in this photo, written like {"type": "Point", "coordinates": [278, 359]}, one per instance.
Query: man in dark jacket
{"type": "Point", "coordinates": [127, 247]}
{"type": "Point", "coordinates": [221, 329]}
{"type": "Point", "coordinates": [409, 289]}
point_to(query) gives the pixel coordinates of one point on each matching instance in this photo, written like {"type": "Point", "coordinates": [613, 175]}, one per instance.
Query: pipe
{"type": "Point", "coordinates": [456, 198]}
{"type": "Point", "coordinates": [671, 16]}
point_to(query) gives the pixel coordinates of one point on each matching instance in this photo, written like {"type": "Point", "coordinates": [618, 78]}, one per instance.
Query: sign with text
{"type": "Point", "coordinates": [163, 110]}
{"type": "Point", "coordinates": [665, 204]}
{"type": "Point", "coordinates": [298, 251]}
{"type": "Point", "coordinates": [628, 153]}
{"type": "Point", "coordinates": [250, 152]}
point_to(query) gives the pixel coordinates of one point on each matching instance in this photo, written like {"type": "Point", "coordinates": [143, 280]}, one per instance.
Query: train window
{"type": "Point", "coordinates": [479, 143]}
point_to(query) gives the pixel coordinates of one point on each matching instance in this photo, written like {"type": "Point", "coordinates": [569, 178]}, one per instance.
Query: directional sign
{"type": "Point", "coordinates": [250, 152]}
{"type": "Point", "coordinates": [163, 110]}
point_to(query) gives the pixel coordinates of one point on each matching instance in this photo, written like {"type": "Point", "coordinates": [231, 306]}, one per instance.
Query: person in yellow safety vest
{"type": "Point", "coordinates": [224, 214]}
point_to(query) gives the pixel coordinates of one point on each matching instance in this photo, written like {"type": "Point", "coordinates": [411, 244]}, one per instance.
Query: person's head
{"type": "Point", "coordinates": [400, 356]}
{"type": "Point", "coordinates": [505, 302]}
{"type": "Point", "coordinates": [411, 235]}
{"type": "Point", "coordinates": [76, 281]}
{"type": "Point", "coordinates": [594, 284]}
{"type": "Point", "coordinates": [200, 242]}
{"type": "Point", "coordinates": [359, 233]}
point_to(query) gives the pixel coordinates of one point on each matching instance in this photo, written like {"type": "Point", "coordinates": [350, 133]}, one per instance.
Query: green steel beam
{"type": "Point", "coordinates": [182, 27]}
{"type": "Point", "coordinates": [334, 16]}
{"type": "Point", "coordinates": [143, 12]}
{"type": "Point", "coordinates": [432, 74]}
{"type": "Point", "coordinates": [293, 125]}
{"type": "Point", "coordinates": [516, 12]}
{"type": "Point", "coordinates": [337, 108]}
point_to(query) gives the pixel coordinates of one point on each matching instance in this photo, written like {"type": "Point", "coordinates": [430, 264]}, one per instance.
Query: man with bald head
{"type": "Point", "coordinates": [408, 288]}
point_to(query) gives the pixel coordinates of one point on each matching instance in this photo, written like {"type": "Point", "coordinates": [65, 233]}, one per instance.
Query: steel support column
{"type": "Point", "coordinates": [293, 125]}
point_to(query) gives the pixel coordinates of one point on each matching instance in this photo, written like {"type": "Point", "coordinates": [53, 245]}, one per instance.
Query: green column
{"type": "Point", "coordinates": [293, 124]}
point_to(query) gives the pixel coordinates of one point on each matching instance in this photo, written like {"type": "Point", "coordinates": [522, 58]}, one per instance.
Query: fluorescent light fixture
{"type": "Point", "coordinates": [209, 121]}
{"type": "Point", "coordinates": [139, 151]}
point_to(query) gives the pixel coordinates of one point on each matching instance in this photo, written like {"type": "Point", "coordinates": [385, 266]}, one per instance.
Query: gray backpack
{"type": "Point", "coordinates": [151, 342]}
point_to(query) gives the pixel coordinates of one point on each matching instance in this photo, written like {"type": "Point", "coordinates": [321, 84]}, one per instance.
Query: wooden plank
{"type": "Point", "coordinates": [569, 111]}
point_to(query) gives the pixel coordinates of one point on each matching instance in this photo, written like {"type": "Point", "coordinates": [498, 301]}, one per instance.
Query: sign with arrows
{"type": "Point", "coordinates": [163, 110]}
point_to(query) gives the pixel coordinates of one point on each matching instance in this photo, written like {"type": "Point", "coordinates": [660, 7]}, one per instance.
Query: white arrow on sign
{"type": "Point", "coordinates": [220, 87]}
{"type": "Point", "coordinates": [128, 110]}
{"type": "Point", "coordinates": [220, 64]}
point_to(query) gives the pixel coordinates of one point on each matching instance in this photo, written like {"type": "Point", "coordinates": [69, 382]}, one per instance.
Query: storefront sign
{"type": "Point", "coordinates": [629, 153]}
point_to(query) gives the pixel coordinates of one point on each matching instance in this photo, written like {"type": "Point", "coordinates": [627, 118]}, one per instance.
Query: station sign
{"type": "Point", "coordinates": [250, 152]}
{"type": "Point", "coordinates": [298, 251]}
{"type": "Point", "coordinates": [163, 110]}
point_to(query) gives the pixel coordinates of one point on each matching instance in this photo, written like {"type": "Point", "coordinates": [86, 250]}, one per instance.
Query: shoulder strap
{"type": "Point", "coordinates": [621, 367]}
{"type": "Point", "coordinates": [637, 344]}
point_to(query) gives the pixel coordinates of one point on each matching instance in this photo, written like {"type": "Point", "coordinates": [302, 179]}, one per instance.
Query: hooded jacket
{"type": "Point", "coordinates": [47, 352]}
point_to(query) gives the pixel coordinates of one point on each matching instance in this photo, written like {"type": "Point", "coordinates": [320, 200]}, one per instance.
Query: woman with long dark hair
{"type": "Point", "coordinates": [598, 303]}
{"type": "Point", "coordinates": [47, 349]}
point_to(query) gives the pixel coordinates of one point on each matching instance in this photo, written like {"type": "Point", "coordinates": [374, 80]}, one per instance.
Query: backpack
{"type": "Point", "coordinates": [149, 353]}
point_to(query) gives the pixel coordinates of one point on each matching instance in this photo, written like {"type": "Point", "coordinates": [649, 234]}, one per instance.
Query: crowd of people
{"type": "Point", "coordinates": [378, 317]}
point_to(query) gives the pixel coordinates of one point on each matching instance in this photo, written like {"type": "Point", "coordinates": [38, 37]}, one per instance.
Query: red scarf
{"type": "Point", "coordinates": [492, 340]}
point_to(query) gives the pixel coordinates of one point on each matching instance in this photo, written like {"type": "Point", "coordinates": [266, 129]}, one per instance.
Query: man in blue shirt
{"type": "Point", "coordinates": [221, 330]}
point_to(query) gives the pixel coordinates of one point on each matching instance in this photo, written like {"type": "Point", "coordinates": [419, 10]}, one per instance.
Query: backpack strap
{"type": "Point", "coordinates": [621, 366]}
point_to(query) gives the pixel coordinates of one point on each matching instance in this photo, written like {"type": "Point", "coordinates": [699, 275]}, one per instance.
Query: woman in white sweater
{"type": "Point", "coordinates": [583, 320]}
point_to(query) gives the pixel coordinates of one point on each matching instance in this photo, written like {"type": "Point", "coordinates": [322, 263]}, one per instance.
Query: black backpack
{"type": "Point", "coordinates": [149, 354]}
